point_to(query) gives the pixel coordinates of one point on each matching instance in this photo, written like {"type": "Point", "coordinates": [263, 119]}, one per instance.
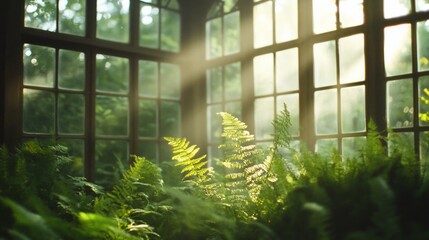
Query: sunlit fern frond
{"type": "Point", "coordinates": [195, 170]}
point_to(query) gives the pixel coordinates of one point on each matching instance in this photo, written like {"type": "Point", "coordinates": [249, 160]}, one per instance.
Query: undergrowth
{"type": "Point", "coordinates": [277, 192]}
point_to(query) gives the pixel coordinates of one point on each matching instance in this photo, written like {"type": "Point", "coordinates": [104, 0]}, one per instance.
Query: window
{"type": "Point", "coordinates": [92, 85]}
{"type": "Point", "coordinates": [329, 66]}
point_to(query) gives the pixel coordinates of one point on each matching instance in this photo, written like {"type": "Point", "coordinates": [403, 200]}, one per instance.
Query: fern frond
{"type": "Point", "coordinates": [195, 170]}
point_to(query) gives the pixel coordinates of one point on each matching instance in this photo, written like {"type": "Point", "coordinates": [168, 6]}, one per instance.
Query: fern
{"type": "Point", "coordinates": [133, 200]}
{"type": "Point", "coordinates": [195, 170]}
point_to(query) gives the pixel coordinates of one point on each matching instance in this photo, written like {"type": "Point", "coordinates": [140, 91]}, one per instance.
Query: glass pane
{"type": "Point", "coordinates": [169, 119]}
{"type": "Point", "coordinates": [423, 45]}
{"type": "Point", "coordinates": [214, 123]}
{"type": "Point", "coordinates": [233, 81]}
{"type": "Point", "coordinates": [397, 49]}
{"type": "Point", "coordinates": [287, 73]}
{"type": "Point", "coordinates": [234, 108]}
{"type": "Point", "coordinates": [327, 146]}
{"type": "Point", "coordinates": [325, 109]}
{"type": "Point", "coordinates": [72, 16]}
{"type": "Point", "coordinates": [396, 8]}
{"type": "Point", "coordinates": [351, 13]}
{"type": "Point", "coordinates": [325, 64]}
{"type": "Point", "coordinates": [112, 73]}
{"type": "Point", "coordinates": [400, 103]}
{"type": "Point", "coordinates": [424, 101]}
{"type": "Point", "coordinates": [324, 16]}
{"type": "Point", "coordinates": [113, 20]}
{"type": "Point", "coordinates": [422, 5]}
{"type": "Point", "coordinates": [292, 102]}
{"type": "Point", "coordinates": [214, 85]}
{"type": "Point", "coordinates": [76, 150]}
{"type": "Point", "coordinates": [214, 38]}
{"type": "Point", "coordinates": [352, 59]}
{"type": "Point", "coordinates": [111, 159]}
{"type": "Point", "coordinates": [149, 26]}
{"type": "Point", "coordinates": [401, 142]}
{"type": "Point", "coordinates": [424, 151]}
{"type": "Point", "coordinates": [170, 31]}
{"type": "Point", "coordinates": [352, 147]}
{"type": "Point", "coordinates": [353, 109]}
{"type": "Point", "coordinates": [286, 12]}
{"type": "Point", "coordinates": [111, 115]}
{"type": "Point", "coordinates": [39, 65]}
{"type": "Point", "coordinates": [38, 111]}
{"type": "Point", "coordinates": [41, 14]}
{"type": "Point", "coordinates": [148, 78]}
{"type": "Point", "coordinates": [263, 67]}
{"type": "Point", "coordinates": [71, 70]}
{"type": "Point", "coordinates": [170, 81]}
{"type": "Point", "coordinates": [228, 5]}
{"type": "Point", "coordinates": [71, 113]}
{"type": "Point", "coordinates": [148, 149]}
{"type": "Point", "coordinates": [232, 33]}
{"type": "Point", "coordinates": [263, 24]}
{"type": "Point", "coordinates": [148, 115]}
{"type": "Point", "coordinates": [264, 115]}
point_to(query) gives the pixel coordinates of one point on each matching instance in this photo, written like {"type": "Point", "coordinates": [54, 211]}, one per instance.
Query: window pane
{"type": "Point", "coordinates": [214, 123]}
{"type": "Point", "coordinates": [424, 100]}
{"type": "Point", "coordinates": [148, 78]}
{"type": "Point", "coordinates": [325, 64]}
{"type": "Point", "coordinates": [233, 81]}
{"type": "Point", "coordinates": [351, 13]}
{"type": "Point", "coordinates": [148, 115]}
{"type": "Point", "coordinates": [169, 119]}
{"type": "Point", "coordinates": [292, 102]}
{"type": "Point", "coordinates": [263, 67]}
{"type": "Point", "coordinates": [76, 150]}
{"type": "Point", "coordinates": [170, 81]}
{"type": "Point", "coordinates": [38, 111]}
{"type": "Point", "coordinates": [71, 70]}
{"type": "Point", "coordinates": [41, 14]}
{"type": "Point", "coordinates": [353, 109]}
{"type": "Point", "coordinates": [400, 103]}
{"type": "Point", "coordinates": [324, 16]}
{"type": "Point", "coordinates": [287, 73]}
{"type": "Point", "coordinates": [148, 149]}
{"type": "Point", "coordinates": [264, 115]}
{"type": "Point", "coordinates": [325, 109]}
{"type": "Point", "coordinates": [424, 150]}
{"type": "Point", "coordinates": [263, 24]}
{"type": "Point", "coordinates": [401, 142]}
{"type": "Point", "coordinates": [170, 30]}
{"type": "Point", "coordinates": [286, 12]}
{"type": "Point", "coordinates": [149, 26]}
{"type": "Point", "coordinates": [396, 8]}
{"type": "Point", "coordinates": [234, 108]}
{"type": "Point", "coordinates": [39, 65]}
{"type": "Point", "coordinates": [111, 115]}
{"type": "Point", "coordinates": [71, 113]}
{"type": "Point", "coordinates": [352, 59]}
{"type": "Point", "coordinates": [228, 5]}
{"type": "Point", "coordinates": [72, 16]}
{"type": "Point", "coordinates": [214, 85]}
{"type": "Point", "coordinates": [327, 146]}
{"type": "Point", "coordinates": [111, 159]}
{"type": "Point", "coordinates": [113, 20]}
{"type": "Point", "coordinates": [214, 38]}
{"type": "Point", "coordinates": [422, 5]}
{"type": "Point", "coordinates": [232, 33]}
{"type": "Point", "coordinates": [352, 147]}
{"type": "Point", "coordinates": [423, 45]}
{"type": "Point", "coordinates": [112, 73]}
{"type": "Point", "coordinates": [397, 49]}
